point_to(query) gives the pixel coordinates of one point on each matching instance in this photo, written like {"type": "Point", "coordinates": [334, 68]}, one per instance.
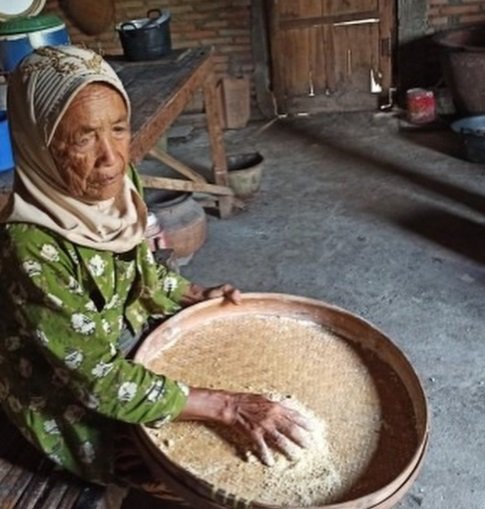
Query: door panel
{"type": "Point", "coordinates": [299, 8]}
{"type": "Point", "coordinates": [330, 54]}
{"type": "Point", "coordinates": [349, 6]}
{"type": "Point", "coordinates": [298, 43]}
{"type": "Point", "coordinates": [305, 76]}
{"type": "Point", "coordinates": [355, 53]}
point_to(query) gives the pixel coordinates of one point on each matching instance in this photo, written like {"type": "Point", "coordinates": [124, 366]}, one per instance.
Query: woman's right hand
{"type": "Point", "coordinates": [266, 423]}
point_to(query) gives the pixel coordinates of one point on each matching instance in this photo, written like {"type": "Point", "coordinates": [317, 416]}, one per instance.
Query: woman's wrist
{"type": "Point", "coordinates": [208, 405]}
{"type": "Point", "coordinates": [194, 294]}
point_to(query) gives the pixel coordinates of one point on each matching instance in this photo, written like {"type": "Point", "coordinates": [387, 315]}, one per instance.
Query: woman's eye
{"type": "Point", "coordinates": [120, 129]}
{"type": "Point", "coordinates": [83, 141]}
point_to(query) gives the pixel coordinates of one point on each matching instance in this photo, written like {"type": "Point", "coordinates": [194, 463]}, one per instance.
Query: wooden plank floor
{"type": "Point", "coordinates": [30, 481]}
{"type": "Point", "coordinates": [137, 500]}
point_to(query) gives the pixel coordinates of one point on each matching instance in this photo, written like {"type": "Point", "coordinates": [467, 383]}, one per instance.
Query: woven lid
{"type": "Point", "coordinates": [22, 25]}
{"type": "Point", "coordinates": [14, 8]}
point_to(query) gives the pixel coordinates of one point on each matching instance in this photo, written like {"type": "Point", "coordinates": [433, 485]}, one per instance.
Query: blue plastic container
{"type": "Point", "coordinates": [6, 155]}
{"type": "Point", "coordinates": [19, 37]}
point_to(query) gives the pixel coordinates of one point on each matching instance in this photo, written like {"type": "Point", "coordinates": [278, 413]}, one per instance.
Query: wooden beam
{"type": "Point", "coordinates": [176, 165]}
{"type": "Point", "coordinates": [287, 24]}
{"type": "Point", "coordinates": [187, 186]}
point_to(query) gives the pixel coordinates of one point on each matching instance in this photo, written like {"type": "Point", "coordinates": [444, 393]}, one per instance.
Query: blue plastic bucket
{"type": "Point", "coordinates": [13, 48]}
{"type": "Point", "coordinates": [6, 155]}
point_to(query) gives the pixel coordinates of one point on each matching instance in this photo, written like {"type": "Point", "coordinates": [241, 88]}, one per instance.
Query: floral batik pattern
{"type": "Point", "coordinates": [63, 380]}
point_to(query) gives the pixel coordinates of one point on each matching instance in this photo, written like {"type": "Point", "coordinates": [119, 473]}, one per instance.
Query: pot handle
{"type": "Point", "coordinates": [128, 24]}
{"type": "Point", "coordinates": [157, 11]}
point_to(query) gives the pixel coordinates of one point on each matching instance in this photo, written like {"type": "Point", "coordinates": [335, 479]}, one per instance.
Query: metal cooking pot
{"type": "Point", "coordinates": [146, 38]}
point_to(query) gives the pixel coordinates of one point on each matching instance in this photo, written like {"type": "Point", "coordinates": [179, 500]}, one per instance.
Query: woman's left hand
{"type": "Point", "coordinates": [197, 293]}
{"type": "Point", "coordinates": [226, 290]}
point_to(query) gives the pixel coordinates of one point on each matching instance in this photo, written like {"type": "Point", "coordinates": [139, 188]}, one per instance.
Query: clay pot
{"type": "Point", "coordinates": [245, 173]}
{"type": "Point", "coordinates": [182, 220]}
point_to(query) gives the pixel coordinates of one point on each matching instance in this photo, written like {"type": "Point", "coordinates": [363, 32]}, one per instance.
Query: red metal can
{"type": "Point", "coordinates": [421, 106]}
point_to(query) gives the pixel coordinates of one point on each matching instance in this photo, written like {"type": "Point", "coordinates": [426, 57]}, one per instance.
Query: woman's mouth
{"type": "Point", "coordinates": [106, 180]}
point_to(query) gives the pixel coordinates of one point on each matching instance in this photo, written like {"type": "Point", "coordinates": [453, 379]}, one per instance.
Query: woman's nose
{"type": "Point", "coordinates": [106, 151]}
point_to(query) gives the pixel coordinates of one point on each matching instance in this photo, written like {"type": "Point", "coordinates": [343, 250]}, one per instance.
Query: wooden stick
{"type": "Point", "coordinates": [185, 185]}
{"type": "Point", "coordinates": [178, 166]}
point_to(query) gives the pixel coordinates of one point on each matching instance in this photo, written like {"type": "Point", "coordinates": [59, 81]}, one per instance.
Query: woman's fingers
{"type": "Point", "coordinates": [287, 440]}
{"type": "Point", "coordinates": [263, 451]}
{"type": "Point", "coordinates": [227, 291]}
{"type": "Point", "coordinates": [271, 424]}
{"type": "Point", "coordinates": [299, 419]}
{"type": "Point", "coordinates": [296, 433]}
{"type": "Point", "coordinates": [234, 295]}
{"type": "Point", "coordinates": [284, 445]}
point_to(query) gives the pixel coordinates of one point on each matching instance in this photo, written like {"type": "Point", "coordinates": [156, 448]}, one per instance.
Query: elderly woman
{"type": "Point", "coordinates": [80, 284]}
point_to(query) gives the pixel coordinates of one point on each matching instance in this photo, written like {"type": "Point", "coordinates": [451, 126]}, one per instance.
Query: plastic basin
{"type": "Point", "coordinates": [472, 133]}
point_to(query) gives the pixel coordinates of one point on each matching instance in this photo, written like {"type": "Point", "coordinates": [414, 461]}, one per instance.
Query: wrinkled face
{"type": "Point", "coordinates": [91, 143]}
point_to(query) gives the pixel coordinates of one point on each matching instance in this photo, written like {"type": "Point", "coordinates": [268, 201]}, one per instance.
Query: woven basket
{"type": "Point", "coordinates": [92, 17]}
{"type": "Point", "coordinates": [360, 334]}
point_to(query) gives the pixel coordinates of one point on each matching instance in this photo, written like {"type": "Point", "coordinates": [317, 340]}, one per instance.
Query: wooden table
{"type": "Point", "coordinates": [159, 91]}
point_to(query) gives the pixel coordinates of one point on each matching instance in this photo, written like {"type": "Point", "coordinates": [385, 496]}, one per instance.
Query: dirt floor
{"type": "Point", "coordinates": [389, 223]}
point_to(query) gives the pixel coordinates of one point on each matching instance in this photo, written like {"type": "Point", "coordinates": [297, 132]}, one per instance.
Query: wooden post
{"type": "Point", "coordinates": [216, 140]}
{"type": "Point", "coordinates": [260, 45]}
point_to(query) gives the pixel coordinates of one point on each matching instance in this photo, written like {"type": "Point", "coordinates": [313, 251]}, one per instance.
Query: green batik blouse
{"type": "Point", "coordinates": [63, 381]}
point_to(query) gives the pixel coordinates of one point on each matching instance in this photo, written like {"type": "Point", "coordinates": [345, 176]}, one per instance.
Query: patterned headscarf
{"type": "Point", "coordinates": [40, 90]}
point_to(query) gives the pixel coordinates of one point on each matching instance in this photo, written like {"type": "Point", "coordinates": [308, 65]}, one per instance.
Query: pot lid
{"type": "Point", "coordinates": [22, 25]}
{"type": "Point", "coordinates": [11, 9]}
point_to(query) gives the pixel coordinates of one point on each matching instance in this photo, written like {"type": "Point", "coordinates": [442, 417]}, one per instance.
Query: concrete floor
{"type": "Point", "coordinates": [389, 224]}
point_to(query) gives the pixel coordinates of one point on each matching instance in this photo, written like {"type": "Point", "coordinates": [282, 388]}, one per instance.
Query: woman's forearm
{"type": "Point", "coordinates": [208, 405]}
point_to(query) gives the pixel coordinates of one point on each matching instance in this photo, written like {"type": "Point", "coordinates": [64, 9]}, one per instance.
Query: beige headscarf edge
{"type": "Point", "coordinates": [40, 91]}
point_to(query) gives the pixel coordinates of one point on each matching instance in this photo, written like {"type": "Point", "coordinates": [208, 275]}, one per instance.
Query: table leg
{"type": "Point", "coordinates": [217, 143]}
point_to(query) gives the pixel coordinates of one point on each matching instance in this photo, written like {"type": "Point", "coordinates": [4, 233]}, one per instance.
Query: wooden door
{"type": "Point", "coordinates": [330, 55]}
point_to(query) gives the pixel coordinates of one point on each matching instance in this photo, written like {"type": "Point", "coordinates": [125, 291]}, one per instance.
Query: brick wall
{"type": "Point", "coordinates": [224, 24]}
{"type": "Point", "coordinates": [443, 14]}
{"type": "Point", "coordinates": [418, 56]}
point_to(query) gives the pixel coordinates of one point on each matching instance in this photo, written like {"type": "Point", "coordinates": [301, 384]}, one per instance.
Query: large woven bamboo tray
{"type": "Point", "coordinates": [403, 439]}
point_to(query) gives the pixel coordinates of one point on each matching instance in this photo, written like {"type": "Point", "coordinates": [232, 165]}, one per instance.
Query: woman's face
{"type": "Point", "coordinates": [91, 143]}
